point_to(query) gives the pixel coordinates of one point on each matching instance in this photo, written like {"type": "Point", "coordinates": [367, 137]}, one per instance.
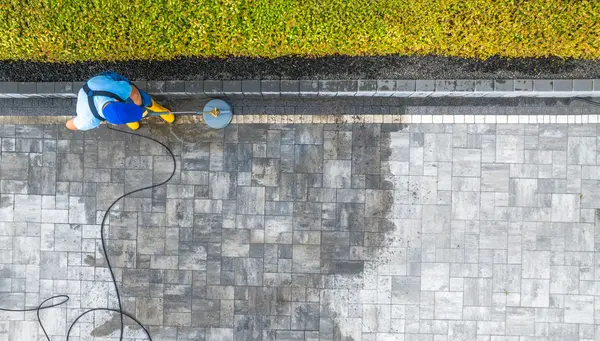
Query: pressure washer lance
{"type": "Point", "coordinates": [215, 112]}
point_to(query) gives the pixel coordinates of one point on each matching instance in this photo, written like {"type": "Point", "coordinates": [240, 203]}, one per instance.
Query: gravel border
{"type": "Point", "coordinates": [289, 68]}
{"type": "Point", "coordinates": [545, 88]}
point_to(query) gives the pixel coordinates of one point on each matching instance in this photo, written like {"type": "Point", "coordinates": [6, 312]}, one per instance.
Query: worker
{"type": "Point", "coordinates": [112, 98]}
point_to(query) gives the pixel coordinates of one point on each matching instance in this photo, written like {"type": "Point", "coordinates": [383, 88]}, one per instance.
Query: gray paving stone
{"type": "Point", "coordinates": [580, 238]}
{"type": "Point", "coordinates": [27, 208]}
{"type": "Point", "coordinates": [26, 251]}
{"type": "Point", "coordinates": [180, 212]}
{"type": "Point", "coordinates": [564, 279]}
{"type": "Point", "coordinates": [350, 217]}
{"type": "Point", "coordinates": [338, 145]}
{"type": "Point", "coordinates": [448, 305]}
{"type": "Point", "coordinates": [307, 216]}
{"type": "Point", "coordinates": [309, 134]}
{"type": "Point", "coordinates": [564, 207]}
{"type": "Point", "coordinates": [579, 309]}
{"type": "Point", "coordinates": [265, 172]}
{"type": "Point", "coordinates": [70, 167]}
{"type": "Point", "coordinates": [293, 187]}
{"type": "Point", "coordinates": [248, 271]}
{"type": "Point", "coordinates": [308, 159]}
{"type": "Point", "coordinates": [337, 173]}
{"type": "Point", "coordinates": [509, 149]}
{"type": "Point", "coordinates": [466, 162]}
{"type": "Point", "coordinates": [366, 136]}
{"type": "Point", "coordinates": [465, 205]}
{"type": "Point", "coordinates": [406, 290]}
{"type": "Point", "coordinates": [222, 185]}
{"type": "Point", "coordinates": [535, 293]}
{"type": "Point", "coordinates": [365, 160]}
{"type": "Point", "coordinates": [251, 200]}
{"type": "Point", "coordinates": [435, 277]}
{"type": "Point", "coordinates": [14, 166]}
{"type": "Point", "coordinates": [536, 264]}
{"type": "Point", "coordinates": [581, 151]}
{"type": "Point", "coordinates": [306, 259]}
{"type": "Point", "coordinates": [519, 321]}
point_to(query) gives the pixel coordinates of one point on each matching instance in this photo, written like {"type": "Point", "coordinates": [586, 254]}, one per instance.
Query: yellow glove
{"type": "Point", "coordinates": [167, 116]}
{"type": "Point", "coordinates": [155, 107]}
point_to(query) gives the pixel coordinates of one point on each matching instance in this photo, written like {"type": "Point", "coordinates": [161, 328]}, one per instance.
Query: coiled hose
{"type": "Point", "coordinates": [65, 298]}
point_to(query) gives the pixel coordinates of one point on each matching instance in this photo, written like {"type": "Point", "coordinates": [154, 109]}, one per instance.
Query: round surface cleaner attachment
{"type": "Point", "coordinates": [217, 114]}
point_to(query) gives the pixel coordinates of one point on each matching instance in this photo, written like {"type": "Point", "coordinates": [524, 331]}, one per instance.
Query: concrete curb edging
{"type": "Point", "coordinates": [541, 88]}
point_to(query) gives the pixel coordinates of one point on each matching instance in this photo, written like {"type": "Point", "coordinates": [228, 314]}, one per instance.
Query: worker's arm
{"type": "Point", "coordinates": [71, 125]}
{"type": "Point", "coordinates": [128, 92]}
{"type": "Point", "coordinates": [135, 96]}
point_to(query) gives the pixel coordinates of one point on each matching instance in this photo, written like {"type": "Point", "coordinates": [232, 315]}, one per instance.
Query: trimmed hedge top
{"type": "Point", "coordinates": [81, 30]}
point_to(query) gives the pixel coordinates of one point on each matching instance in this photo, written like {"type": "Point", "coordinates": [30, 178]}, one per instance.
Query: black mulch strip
{"type": "Point", "coordinates": [333, 67]}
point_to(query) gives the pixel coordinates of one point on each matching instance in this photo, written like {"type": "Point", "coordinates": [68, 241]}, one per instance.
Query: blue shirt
{"type": "Point", "coordinates": [85, 120]}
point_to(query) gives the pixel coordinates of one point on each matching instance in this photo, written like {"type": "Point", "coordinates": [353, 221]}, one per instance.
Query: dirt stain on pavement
{"type": "Point", "coordinates": [107, 327]}
{"type": "Point", "coordinates": [194, 131]}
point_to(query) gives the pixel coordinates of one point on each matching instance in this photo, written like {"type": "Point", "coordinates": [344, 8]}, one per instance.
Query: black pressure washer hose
{"type": "Point", "coordinates": [120, 311]}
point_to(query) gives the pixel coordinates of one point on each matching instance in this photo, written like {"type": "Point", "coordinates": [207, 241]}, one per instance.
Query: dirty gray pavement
{"type": "Point", "coordinates": [306, 232]}
{"type": "Point", "coordinates": [335, 105]}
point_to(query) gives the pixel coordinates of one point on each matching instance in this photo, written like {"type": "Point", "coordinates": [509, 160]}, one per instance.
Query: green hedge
{"type": "Point", "coordinates": [74, 30]}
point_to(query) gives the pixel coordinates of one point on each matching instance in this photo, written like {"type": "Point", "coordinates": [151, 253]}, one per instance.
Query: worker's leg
{"type": "Point", "coordinates": [169, 118]}
{"type": "Point", "coordinates": [146, 99]}
{"type": "Point", "coordinates": [153, 106]}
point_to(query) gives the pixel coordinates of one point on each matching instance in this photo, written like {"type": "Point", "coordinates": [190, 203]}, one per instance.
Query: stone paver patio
{"type": "Point", "coordinates": [307, 232]}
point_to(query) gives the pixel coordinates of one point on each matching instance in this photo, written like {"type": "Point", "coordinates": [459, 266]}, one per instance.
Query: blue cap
{"type": "Point", "coordinates": [121, 113]}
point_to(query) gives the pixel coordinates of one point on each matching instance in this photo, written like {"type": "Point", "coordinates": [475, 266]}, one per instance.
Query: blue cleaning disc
{"type": "Point", "coordinates": [224, 117]}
